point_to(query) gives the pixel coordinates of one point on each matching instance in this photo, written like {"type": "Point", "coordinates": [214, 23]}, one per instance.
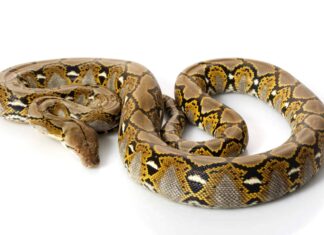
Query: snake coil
{"type": "Point", "coordinates": [74, 99]}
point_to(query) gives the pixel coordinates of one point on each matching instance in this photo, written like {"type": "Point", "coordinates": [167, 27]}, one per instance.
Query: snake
{"type": "Point", "coordinates": [75, 99]}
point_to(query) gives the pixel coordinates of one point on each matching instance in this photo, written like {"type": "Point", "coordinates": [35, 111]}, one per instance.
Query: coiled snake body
{"type": "Point", "coordinates": [73, 99]}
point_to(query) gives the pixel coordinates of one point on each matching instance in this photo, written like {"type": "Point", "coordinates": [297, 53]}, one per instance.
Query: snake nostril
{"type": "Point", "coordinates": [96, 160]}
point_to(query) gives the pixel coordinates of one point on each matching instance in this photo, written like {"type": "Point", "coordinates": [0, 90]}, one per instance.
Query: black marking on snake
{"type": "Point", "coordinates": [102, 79]}
{"type": "Point", "coordinates": [252, 173]}
{"type": "Point", "coordinates": [253, 201]}
{"type": "Point", "coordinates": [16, 107]}
{"type": "Point", "coordinates": [75, 69]}
{"type": "Point", "coordinates": [130, 149]}
{"type": "Point", "coordinates": [151, 170]}
{"type": "Point", "coordinates": [196, 199]}
{"type": "Point", "coordinates": [196, 185]}
{"type": "Point", "coordinates": [149, 182]}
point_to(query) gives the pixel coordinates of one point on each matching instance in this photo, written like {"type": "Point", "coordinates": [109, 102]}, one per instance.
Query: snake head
{"type": "Point", "coordinates": [83, 140]}
{"type": "Point", "coordinates": [50, 116]}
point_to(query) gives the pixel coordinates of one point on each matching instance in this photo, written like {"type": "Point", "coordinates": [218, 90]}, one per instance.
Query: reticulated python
{"type": "Point", "coordinates": [73, 99]}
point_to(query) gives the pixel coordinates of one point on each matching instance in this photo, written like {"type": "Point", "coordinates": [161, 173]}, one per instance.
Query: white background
{"type": "Point", "coordinates": [44, 189]}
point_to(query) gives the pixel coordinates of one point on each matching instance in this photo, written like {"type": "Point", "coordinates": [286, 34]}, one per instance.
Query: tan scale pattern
{"type": "Point", "coordinates": [74, 99]}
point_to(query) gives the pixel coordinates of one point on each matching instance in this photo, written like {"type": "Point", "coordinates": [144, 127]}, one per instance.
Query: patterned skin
{"type": "Point", "coordinates": [74, 99]}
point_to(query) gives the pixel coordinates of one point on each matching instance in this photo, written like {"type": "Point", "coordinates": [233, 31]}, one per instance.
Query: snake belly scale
{"type": "Point", "coordinates": [73, 100]}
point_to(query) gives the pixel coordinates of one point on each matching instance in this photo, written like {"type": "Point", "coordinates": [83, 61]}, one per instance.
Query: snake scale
{"type": "Point", "coordinates": [73, 100]}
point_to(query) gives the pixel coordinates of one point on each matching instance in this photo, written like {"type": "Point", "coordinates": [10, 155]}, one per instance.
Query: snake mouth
{"type": "Point", "coordinates": [88, 154]}
{"type": "Point", "coordinates": [91, 162]}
